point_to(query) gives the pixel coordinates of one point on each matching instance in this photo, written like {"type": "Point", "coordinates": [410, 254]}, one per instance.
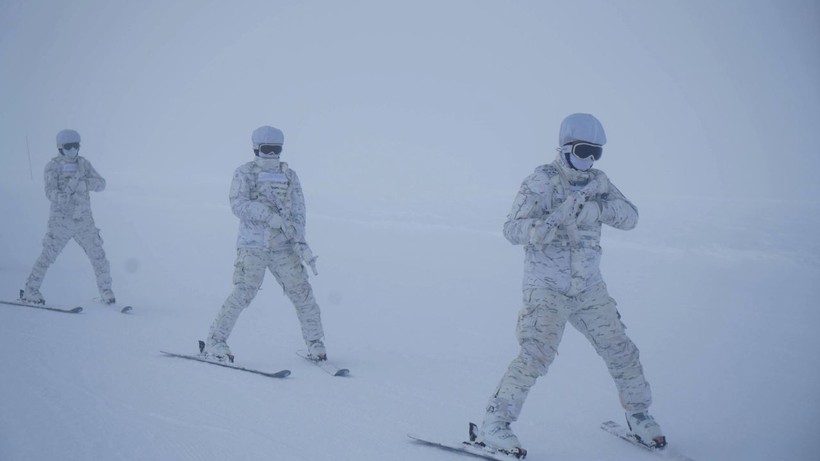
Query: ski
{"type": "Point", "coordinates": [278, 374]}
{"type": "Point", "coordinates": [75, 310]}
{"type": "Point", "coordinates": [329, 367]}
{"type": "Point", "coordinates": [624, 434]}
{"type": "Point", "coordinates": [472, 447]}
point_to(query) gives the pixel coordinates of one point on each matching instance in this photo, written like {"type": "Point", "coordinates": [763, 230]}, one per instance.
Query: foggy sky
{"type": "Point", "coordinates": [422, 100]}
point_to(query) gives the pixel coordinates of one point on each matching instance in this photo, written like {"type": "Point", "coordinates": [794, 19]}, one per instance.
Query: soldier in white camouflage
{"type": "Point", "coordinates": [68, 180]}
{"type": "Point", "coordinates": [557, 217]}
{"type": "Point", "coordinates": [267, 198]}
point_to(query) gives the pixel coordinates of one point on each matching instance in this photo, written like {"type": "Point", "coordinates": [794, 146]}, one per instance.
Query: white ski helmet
{"type": "Point", "coordinates": [581, 127]}
{"type": "Point", "coordinates": [66, 137]}
{"type": "Point", "coordinates": [267, 135]}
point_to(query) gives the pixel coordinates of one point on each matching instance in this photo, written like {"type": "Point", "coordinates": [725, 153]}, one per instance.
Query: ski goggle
{"type": "Point", "coordinates": [71, 145]}
{"type": "Point", "coordinates": [268, 149]}
{"type": "Point", "coordinates": [584, 150]}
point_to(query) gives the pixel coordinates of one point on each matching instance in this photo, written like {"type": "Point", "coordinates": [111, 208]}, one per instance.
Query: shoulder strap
{"type": "Point", "coordinates": [572, 228]}
{"type": "Point", "coordinates": [81, 167]}
{"type": "Point", "coordinates": [253, 187]}
{"type": "Point", "coordinates": [289, 191]}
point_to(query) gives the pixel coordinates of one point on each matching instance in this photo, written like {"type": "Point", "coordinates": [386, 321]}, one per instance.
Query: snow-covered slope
{"type": "Point", "coordinates": [721, 297]}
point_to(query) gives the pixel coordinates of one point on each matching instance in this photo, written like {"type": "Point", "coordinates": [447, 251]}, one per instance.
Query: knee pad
{"type": "Point", "coordinates": [301, 293]}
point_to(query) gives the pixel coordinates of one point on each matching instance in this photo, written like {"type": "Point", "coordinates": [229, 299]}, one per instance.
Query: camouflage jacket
{"type": "Point", "coordinates": [258, 190]}
{"type": "Point", "coordinates": [567, 254]}
{"type": "Point", "coordinates": [67, 186]}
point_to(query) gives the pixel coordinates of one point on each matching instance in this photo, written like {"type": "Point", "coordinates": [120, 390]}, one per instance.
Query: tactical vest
{"type": "Point", "coordinates": [272, 187]}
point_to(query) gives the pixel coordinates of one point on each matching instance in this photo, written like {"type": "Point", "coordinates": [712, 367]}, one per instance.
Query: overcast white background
{"type": "Point", "coordinates": [411, 125]}
{"type": "Point", "coordinates": [420, 99]}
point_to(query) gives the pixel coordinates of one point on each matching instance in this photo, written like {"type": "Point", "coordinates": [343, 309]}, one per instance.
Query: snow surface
{"type": "Point", "coordinates": [721, 297]}
{"type": "Point", "coordinates": [411, 125]}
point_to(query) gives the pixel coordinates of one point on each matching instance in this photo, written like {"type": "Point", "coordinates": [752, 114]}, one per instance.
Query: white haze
{"type": "Point", "coordinates": [420, 100]}
{"type": "Point", "coordinates": [411, 125]}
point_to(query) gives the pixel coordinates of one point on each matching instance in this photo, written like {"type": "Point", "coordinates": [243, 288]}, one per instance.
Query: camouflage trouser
{"type": "Point", "coordinates": [540, 328]}
{"type": "Point", "coordinates": [249, 272]}
{"type": "Point", "coordinates": [86, 234]}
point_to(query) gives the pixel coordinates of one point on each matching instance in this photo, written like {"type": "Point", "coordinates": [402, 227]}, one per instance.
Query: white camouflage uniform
{"type": "Point", "coordinates": [68, 182]}
{"type": "Point", "coordinates": [563, 282]}
{"type": "Point", "coordinates": [261, 189]}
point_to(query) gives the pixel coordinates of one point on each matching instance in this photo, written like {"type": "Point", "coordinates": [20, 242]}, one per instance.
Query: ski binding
{"type": "Point", "coordinates": [329, 367]}
{"type": "Point", "coordinates": [625, 434]}
{"type": "Point", "coordinates": [22, 303]}
{"type": "Point", "coordinates": [123, 309]}
{"type": "Point", "coordinates": [473, 447]}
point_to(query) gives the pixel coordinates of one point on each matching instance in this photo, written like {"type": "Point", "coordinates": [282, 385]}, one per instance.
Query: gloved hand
{"type": "Point", "coordinates": [543, 232]}
{"type": "Point", "coordinates": [588, 213]}
{"type": "Point", "coordinates": [597, 186]}
{"type": "Point", "coordinates": [81, 186]}
{"type": "Point", "coordinates": [275, 221]}
{"type": "Point", "coordinates": [290, 231]}
{"type": "Point", "coordinates": [538, 233]}
{"type": "Point", "coordinates": [306, 255]}
{"type": "Point", "coordinates": [593, 188]}
{"type": "Point", "coordinates": [63, 198]}
{"type": "Point", "coordinates": [603, 183]}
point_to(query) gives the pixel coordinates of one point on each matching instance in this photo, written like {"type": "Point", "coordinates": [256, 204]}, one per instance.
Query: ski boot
{"type": "Point", "coordinates": [645, 429]}
{"type": "Point", "coordinates": [216, 351]}
{"type": "Point", "coordinates": [316, 350]}
{"type": "Point", "coordinates": [495, 434]}
{"type": "Point", "coordinates": [32, 296]}
{"type": "Point", "coordinates": [107, 297]}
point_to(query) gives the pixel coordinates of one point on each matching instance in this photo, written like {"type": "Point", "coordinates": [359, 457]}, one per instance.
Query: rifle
{"type": "Point", "coordinates": [301, 247]}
